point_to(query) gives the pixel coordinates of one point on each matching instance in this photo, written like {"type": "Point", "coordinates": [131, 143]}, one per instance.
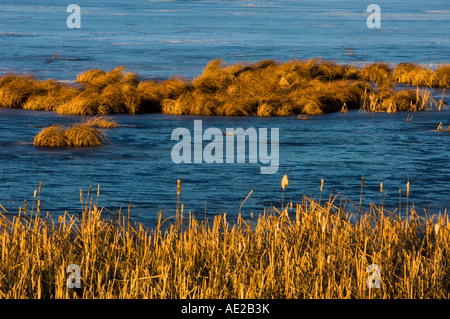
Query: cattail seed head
{"type": "Point", "coordinates": [407, 189]}
{"type": "Point", "coordinates": [436, 228]}
{"type": "Point", "coordinates": [178, 187]}
{"type": "Point", "coordinates": [284, 181]}
{"type": "Point", "coordinates": [321, 184]}
{"type": "Point", "coordinates": [381, 187]}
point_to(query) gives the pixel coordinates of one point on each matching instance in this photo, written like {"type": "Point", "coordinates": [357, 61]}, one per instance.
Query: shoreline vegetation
{"type": "Point", "coordinates": [264, 88]}
{"type": "Point", "coordinates": [310, 249]}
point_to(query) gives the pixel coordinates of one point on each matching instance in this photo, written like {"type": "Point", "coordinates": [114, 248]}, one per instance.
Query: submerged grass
{"type": "Point", "coordinates": [312, 250]}
{"type": "Point", "coordinates": [263, 88]}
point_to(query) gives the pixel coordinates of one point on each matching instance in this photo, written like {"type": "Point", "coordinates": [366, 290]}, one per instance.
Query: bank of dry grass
{"type": "Point", "coordinates": [263, 88]}
{"type": "Point", "coordinates": [315, 250]}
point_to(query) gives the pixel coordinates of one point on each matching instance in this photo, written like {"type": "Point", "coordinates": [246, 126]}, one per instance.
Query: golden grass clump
{"type": "Point", "coordinates": [418, 75]}
{"type": "Point", "coordinates": [54, 96]}
{"type": "Point", "coordinates": [90, 76]}
{"type": "Point", "coordinates": [120, 98]}
{"type": "Point", "coordinates": [100, 79]}
{"type": "Point", "coordinates": [113, 92]}
{"type": "Point", "coordinates": [390, 100]}
{"type": "Point", "coordinates": [85, 103]}
{"type": "Point", "coordinates": [308, 251]}
{"type": "Point", "coordinates": [268, 88]}
{"type": "Point", "coordinates": [376, 72]}
{"type": "Point", "coordinates": [215, 77]}
{"type": "Point", "coordinates": [156, 94]}
{"type": "Point", "coordinates": [414, 74]}
{"type": "Point", "coordinates": [264, 88]}
{"type": "Point", "coordinates": [78, 135]}
{"type": "Point", "coordinates": [100, 122]}
{"type": "Point", "coordinates": [16, 89]}
{"type": "Point", "coordinates": [442, 75]}
{"type": "Point", "coordinates": [329, 71]}
{"type": "Point", "coordinates": [404, 100]}
{"type": "Point", "coordinates": [52, 136]}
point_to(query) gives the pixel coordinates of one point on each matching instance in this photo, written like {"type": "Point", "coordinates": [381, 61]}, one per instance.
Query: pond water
{"type": "Point", "coordinates": [158, 39]}
{"type": "Point", "coordinates": [136, 167]}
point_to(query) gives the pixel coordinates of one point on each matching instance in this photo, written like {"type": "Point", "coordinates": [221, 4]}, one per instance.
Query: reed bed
{"type": "Point", "coordinates": [263, 88]}
{"type": "Point", "coordinates": [311, 250]}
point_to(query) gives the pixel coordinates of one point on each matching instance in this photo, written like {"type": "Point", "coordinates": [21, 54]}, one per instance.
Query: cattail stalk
{"type": "Point", "coordinates": [321, 190]}
{"type": "Point", "coordinates": [381, 192]}
{"type": "Point", "coordinates": [284, 183]}
{"type": "Point", "coordinates": [360, 198]}
{"type": "Point", "coordinates": [178, 195]}
{"type": "Point", "coordinates": [407, 198]}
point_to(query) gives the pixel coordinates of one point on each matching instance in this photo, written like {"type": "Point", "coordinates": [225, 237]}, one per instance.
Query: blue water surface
{"type": "Point", "coordinates": [159, 39]}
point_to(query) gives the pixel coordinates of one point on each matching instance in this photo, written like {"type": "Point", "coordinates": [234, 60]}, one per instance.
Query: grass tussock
{"type": "Point", "coordinates": [390, 100]}
{"type": "Point", "coordinates": [263, 88]}
{"type": "Point", "coordinates": [312, 250]}
{"type": "Point", "coordinates": [376, 72]}
{"type": "Point", "coordinates": [82, 134]}
{"type": "Point", "coordinates": [100, 122]}
{"type": "Point", "coordinates": [418, 75]}
{"type": "Point", "coordinates": [52, 136]}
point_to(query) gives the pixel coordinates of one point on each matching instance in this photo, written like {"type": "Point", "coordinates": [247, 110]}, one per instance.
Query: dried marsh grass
{"type": "Point", "coordinates": [315, 251]}
{"type": "Point", "coordinates": [442, 75]}
{"type": "Point", "coordinates": [15, 89]}
{"type": "Point", "coordinates": [78, 135]}
{"type": "Point", "coordinates": [52, 136]}
{"type": "Point", "coordinates": [376, 72]}
{"type": "Point", "coordinates": [263, 88]}
{"type": "Point", "coordinates": [100, 122]}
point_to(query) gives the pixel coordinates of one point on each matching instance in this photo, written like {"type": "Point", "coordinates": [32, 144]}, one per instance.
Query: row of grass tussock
{"type": "Point", "coordinates": [312, 251]}
{"type": "Point", "coordinates": [83, 134]}
{"type": "Point", "coordinates": [264, 88]}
